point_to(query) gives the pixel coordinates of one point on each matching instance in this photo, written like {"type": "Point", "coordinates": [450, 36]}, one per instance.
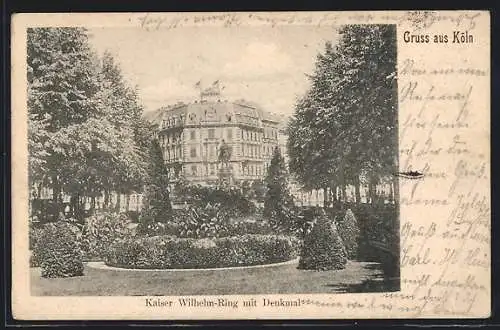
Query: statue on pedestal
{"type": "Point", "coordinates": [225, 171]}
{"type": "Point", "coordinates": [224, 154]}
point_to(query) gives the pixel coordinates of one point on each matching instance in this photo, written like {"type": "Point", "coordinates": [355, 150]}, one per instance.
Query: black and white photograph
{"type": "Point", "coordinates": [251, 165]}
{"type": "Point", "coordinates": [210, 160]}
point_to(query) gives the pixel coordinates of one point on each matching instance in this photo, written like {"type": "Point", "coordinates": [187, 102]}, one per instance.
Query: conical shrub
{"type": "Point", "coordinates": [323, 248]}
{"type": "Point", "coordinates": [349, 232]}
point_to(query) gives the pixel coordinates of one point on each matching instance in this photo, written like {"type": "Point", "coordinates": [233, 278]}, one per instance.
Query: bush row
{"type": "Point", "coordinates": [167, 252]}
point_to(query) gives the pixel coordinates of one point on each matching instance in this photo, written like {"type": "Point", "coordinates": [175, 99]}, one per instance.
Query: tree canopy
{"type": "Point", "coordinates": [85, 131]}
{"type": "Point", "coordinates": [344, 128]}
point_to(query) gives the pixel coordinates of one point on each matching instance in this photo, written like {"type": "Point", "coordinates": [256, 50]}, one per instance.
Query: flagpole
{"type": "Point", "coordinates": [198, 86]}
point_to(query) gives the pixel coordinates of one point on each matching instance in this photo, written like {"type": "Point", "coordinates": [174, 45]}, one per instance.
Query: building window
{"type": "Point", "coordinates": [212, 151]}
{"type": "Point", "coordinates": [193, 152]}
{"type": "Point", "coordinates": [212, 169]}
{"type": "Point", "coordinates": [211, 133]}
{"type": "Point", "coordinates": [193, 135]}
{"type": "Point", "coordinates": [229, 133]}
{"type": "Point", "coordinates": [194, 170]}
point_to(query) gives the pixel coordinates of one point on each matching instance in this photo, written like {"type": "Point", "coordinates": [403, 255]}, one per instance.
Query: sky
{"type": "Point", "coordinates": [264, 65]}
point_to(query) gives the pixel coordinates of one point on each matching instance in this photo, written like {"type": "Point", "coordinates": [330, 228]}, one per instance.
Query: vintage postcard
{"type": "Point", "coordinates": [251, 165]}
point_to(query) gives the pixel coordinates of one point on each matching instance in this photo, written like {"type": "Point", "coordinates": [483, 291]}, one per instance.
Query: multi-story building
{"type": "Point", "coordinates": [192, 134]}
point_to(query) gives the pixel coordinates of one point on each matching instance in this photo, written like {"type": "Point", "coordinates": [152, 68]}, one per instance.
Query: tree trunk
{"type": "Point", "coordinates": [56, 190]}
{"type": "Point", "coordinates": [56, 198]}
{"type": "Point", "coordinates": [92, 204]}
{"type": "Point", "coordinates": [391, 192]}
{"type": "Point", "coordinates": [118, 202]}
{"type": "Point", "coordinates": [106, 199]}
{"type": "Point", "coordinates": [127, 202]}
{"type": "Point", "coordinates": [357, 189]}
{"type": "Point", "coordinates": [395, 189]}
{"type": "Point", "coordinates": [344, 193]}
{"type": "Point", "coordinates": [325, 198]}
{"type": "Point", "coordinates": [73, 205]}
{"type": "Point", "coordinates": [371, 190]}
{"type": "Point", "coordinates": [39, 191]}
{"type": "Point", "coordinates": [333, 193]}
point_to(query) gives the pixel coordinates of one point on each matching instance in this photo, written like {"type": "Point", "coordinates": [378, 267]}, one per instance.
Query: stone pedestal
{"type": "Point", "coordinates": [226, 174]}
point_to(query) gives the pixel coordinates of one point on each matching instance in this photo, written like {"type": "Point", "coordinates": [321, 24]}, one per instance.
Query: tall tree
{"type": "Point", "coordinates": [346, 122]}
{"type": "Point", "coordinates": [125, 115]}
{"type": "Point", "coordinates": [82, 133]}
{"type": "Point", "coordinates": [157, 205]}
{"type": "Point", "coordinates": [63, 92]}
{"type": "Point", "coordinates": [278, 202]}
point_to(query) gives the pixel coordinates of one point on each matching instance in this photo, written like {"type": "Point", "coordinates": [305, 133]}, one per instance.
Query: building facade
{"type": "Point", "coordinates": [192, 136]}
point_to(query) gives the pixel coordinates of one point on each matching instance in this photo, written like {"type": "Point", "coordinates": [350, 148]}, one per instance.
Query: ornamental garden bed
{"type": "Point", "coordinates": [167, 252]}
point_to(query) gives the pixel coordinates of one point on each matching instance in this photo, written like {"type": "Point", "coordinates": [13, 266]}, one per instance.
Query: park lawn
{"type": "Point", "coordinates": [283, 279]}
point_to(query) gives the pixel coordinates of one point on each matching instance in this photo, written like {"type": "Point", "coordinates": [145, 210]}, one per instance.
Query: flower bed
{"type": "Point", "coordinates": [203, 226]}
{"type": "Point", "coordinates": [167, 252]}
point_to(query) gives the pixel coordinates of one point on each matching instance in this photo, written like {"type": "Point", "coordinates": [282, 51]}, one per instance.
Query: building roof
{"type": "Point", "coordinates": [216, 112]}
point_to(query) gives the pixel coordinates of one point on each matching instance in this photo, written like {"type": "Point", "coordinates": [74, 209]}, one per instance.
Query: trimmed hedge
{"type": "Point", "coordinates": [323, 248]}
{"type": "Point", "coordinates": [57, 251]}
{"type": "Point", "coordinates": [167, 252]}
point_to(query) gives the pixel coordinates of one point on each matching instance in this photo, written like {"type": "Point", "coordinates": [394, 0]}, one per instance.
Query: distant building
{"type": "Point", "coordinates": [192, 134]}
